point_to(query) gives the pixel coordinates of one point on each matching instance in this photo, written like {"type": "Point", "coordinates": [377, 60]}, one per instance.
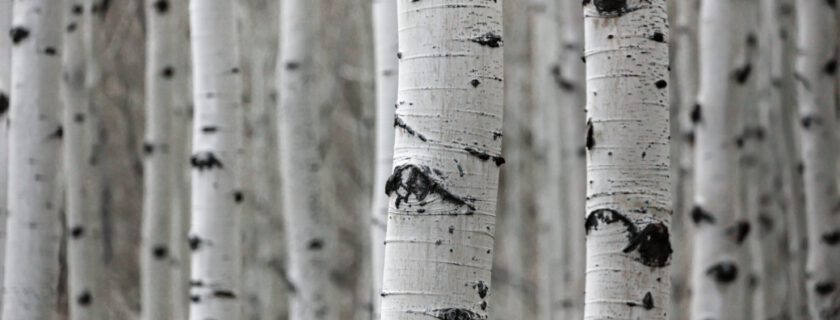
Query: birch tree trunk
{"type": "Point", "coordinates": [441, 222]}
{"type": "Point", "coordinates": [84, 254]}
{"type": "Point", "coordinates": [816, 67]}
{"type": "Point", "coordinates": [35, 132]}
{"type": "Point", "coordinates": [155, 257]}
{"type": "Point", "coordinates": [385, 39]}
{"type": "Point", "coordinates": [214, 233]}
{"type": "Point", "coordinates": [628, 196]}
{"type": "Point", "coordinates": [5, 87]}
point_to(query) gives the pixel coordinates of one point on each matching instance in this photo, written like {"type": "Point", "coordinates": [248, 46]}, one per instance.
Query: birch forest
{"type": "Point", "coordinates": [419, 160]}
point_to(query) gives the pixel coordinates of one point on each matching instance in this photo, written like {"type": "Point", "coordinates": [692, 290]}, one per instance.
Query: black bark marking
{"type": "Point", "coordinates": [194, 242]}
{"type": "Point", "coordinates": [689, 138]}
{"type": "Point", "coordinates": [475, 83]}
{"type": "Point", "coordinates": [4, 104]}
{"type": "Point", "coordinates": [399, 55]}
{"type": "Point", "coordinates": [496, 135]}
{"type": "Point", "coordinates": [50, 51]}
{"type": "Point", "coordinates": [696, 114]}
{"type": "Point", "coordinates": [224, 294]}
{"type": "Point", "coordinates": [160, 252]}
{"type": "Point", "coordinates": [18, 34]}
{"type": "Point", "coordinates": [84, 299]}
{"type": "Point", "coordinates": [481, 288]}
{"type": "Point", "coordinates": [658, 37]}
{"type": "Point", "coordinates": [168, 72]}
{"type": "Point", "coordinates": [292, 65]}
{"type": "Point", "coordinates": [71, 27]}
{"type": "Point", "coordinates": [489, 39]}
{"type": "Point", "coordinates": [238, 197]}
{"type": "Point", "coordinates": [58, 133]}
{"type": "Point", "coordinates": [805, 83]}
{"type": "Point", "coordinates": [409, 179]}
{"type": "Point", "coordinates": [661, 84]}
{"type": "Point", "coordinates": [742, 74]}
{"type": "Point", "coordinates": [610, 7]}
{"type": "Point", "coordinates": [739, 231]}
{"type": "Point", "coordinates": [455, 314]}
{"type": "Point", "coordinates": [484, 156]}
{"type": "Point", "coordinates": [831, 238]}
{"type": "Point", "coordinates": [647, 301]}
{"type": "Point", "coordinates": [209, 129]}
{"type": "Point", "coordinates": [724, 272]}
{"type": "Point", "coordinates": [558, 78]}
{"type": "Point", "coordinates": [77, 9]}
{"type": "Point", "coordinates": [590, 135]}
{"type": "Point", "coordinates": [195, 298]}
{"type": "Point", "coordinates": [807, 121]}
{"type": "Point", "coordinates": [77, 232]}
{"type": "Point", "coordinates": [653, 242]}
{"type": "Point", "coordinates": [205, 160]}
{"type": "Point", "coordinates": [148, 148]}
{"type": "Point", "coordinates": [483, 305]}
{"type": "Point", "coordinates": [699, 216]}
{"type": "Point", "coordinates": [196, 283]}
{"type": "Point", "coordinates": [315, 244]}
{"type": "Point", "coordinates": [830, 67]}
{"type": "Point", "coordinates": [398, 122]}
{"type": "Point", "coordinates": [831, 3]}
{"type": "Point", "coordinates": [161, 6]}
{"type": "Point", "coordinates": [824, 288]}
{"type": "Point", "coordinates": [765, 221]}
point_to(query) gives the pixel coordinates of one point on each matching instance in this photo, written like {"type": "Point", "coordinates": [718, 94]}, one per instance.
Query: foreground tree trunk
{"type": "Point", "coordinates": [628, 197]}
{"type": "Point", "coordinates": [441, 220]}
{"type": "Point", "coordinates": [385, 33]}
{"type": "Point", "coordinates": [155, 254]}
{"type": "Point", "coordinates": [214, 235]}
{"type": "Point", "coordinates": [816, 67]}
{"type": "Point", "coordinates": [35, 133]}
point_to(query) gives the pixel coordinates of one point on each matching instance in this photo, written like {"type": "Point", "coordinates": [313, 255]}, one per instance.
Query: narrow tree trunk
{"type": "Point", "coordinates": [5, 87]}
{"type": "Point", "coordinates": [628, 196]}
{"type": "Point", "coordinates": [155, 257]}
{"type": "Point", "coordinates": [84, 252]}
{"type": "Point", "coordinates": [385, 33]}
{"type": "Point", "coordinates": [214, 233]}
{"type": "Point", "coordinates": [816, 68]}
{"type": "Point", "coordinates": [35, 132]}
{"type": "Point", "coordinates": [441, 221]}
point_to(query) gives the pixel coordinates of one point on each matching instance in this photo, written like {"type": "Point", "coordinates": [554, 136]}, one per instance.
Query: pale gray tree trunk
{"type": "Point", "coordinates": [35, 133]}
{"type": "Point", "coordinates": [216, 200]}
{"type": "Point", "coordinates": [628, 195]}
{"type": "Point", "coordinates": [84, 244]}
{"type": "Point", "coordinates": [816, 68]}
{"type": "Point", "coordinates": [155, 258]}
{"type": "Point", "coordinates": [387, 68]}
{"type": "Point", "coordinates": [5, 88]}
{"type": "Point", "coordinates": [441, 222]}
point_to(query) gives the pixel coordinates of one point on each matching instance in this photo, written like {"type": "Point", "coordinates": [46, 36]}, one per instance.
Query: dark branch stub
{"type": "Point", "coordinates": [418, 180]}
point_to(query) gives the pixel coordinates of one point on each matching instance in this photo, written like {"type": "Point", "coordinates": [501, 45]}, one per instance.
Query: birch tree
{"type": "Point", "coordinates": [385, 40]}
{"type": "Point", "coordinates": [84, 232]}
{"type": "Point", "coordinates": [214, 232]}
{"type": "Point", "coordinates": [5, 87]}
{"type": "Point", "coordinates": [441, 221]}
{"type": "Point", "coordinates": [155, 256]}
{"type": "Point", "coordinates": [816, 67]}
{"type": "Point", "coordinates": [35, 133]}
{"type": "Point", "coordinates": [628, 197]}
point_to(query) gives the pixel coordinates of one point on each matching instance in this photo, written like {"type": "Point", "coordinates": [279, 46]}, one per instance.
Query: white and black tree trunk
{"type": "Point", "coordinates": [628, 163]}
{"type": "Point", "coordinates": [5, 87]}
{"type": "Point", "coordinates": [155, 256]}
{"type": "Point", "coordinates": [441, 222]}
{"type": "Point", "coordinates": [35, 134]}
{"type": "Point", "coordinates": [387, 65]}
{"type": "Point", "coordinates": [816, 68]}
{"type": "Point", "coordinates": [214, 232]}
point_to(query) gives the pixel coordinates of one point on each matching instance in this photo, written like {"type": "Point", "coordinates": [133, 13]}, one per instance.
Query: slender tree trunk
{"type": "Point", "coordinates": [441, 222]}
{"type": "Point", "coordinates": [214, 233]}
{"type": "Point", "coordinates": [5, 87]}
{"type": "Point", "coordinates": [816, 67]}
{"type": "Point", "coordinates": [84, 252]}
{"type": "Point", "coordinates": [35, 132]}
{"type": "Point", "coordinates": [155, 257]}
{"type": "Point", "coordinates": [628, 196]}
{"type": "Point", "coordinates": [718, 274]}
{"type": "Point", "coordinates": [385, 33]}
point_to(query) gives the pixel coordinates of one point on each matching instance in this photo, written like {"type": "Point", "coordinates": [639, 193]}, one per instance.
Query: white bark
{"type": "Point", "coordinates": [387, 65]}
{"type": "Point", "coordinates": [441, 221]}
{"type": "Point", "coordinates": [84, 249]}
{"type": "Point", "coordinates": [214, 232]}
{"type": "Point", "coordinates": [816, 68]}
{"type": "Point", "coordinates": [155, 252]}
{"type": "Point", "coordinates": [33, 238]}
{"type": "Point", "coordinates": [628, 160]}
{"type": "Point", "coordinates": [5, 79]}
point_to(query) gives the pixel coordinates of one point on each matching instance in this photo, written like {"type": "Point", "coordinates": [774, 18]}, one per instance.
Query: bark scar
{"type": "Point", "coordinates": [418, 180]}
{"type": "Point", "coordinates": [652, 243]}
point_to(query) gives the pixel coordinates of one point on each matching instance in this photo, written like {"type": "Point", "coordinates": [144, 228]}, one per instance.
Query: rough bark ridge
{"type": "Point", "coordinates": [214, 233]}
{"type": "Point", "coordinates": [35, 133]}
{"type": "Point", "coordinates": [816, 66]}
{"type": "Point", "coordinates": [84, 243]}
{"type": "Point", "coordinates": [155, 252]}
{"type": "Point", "coordinates": [441, 220]}
{"type": "Point", "coordinates": [628, 197]}
{"type": "Point", "coordinates": [387, 65]}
